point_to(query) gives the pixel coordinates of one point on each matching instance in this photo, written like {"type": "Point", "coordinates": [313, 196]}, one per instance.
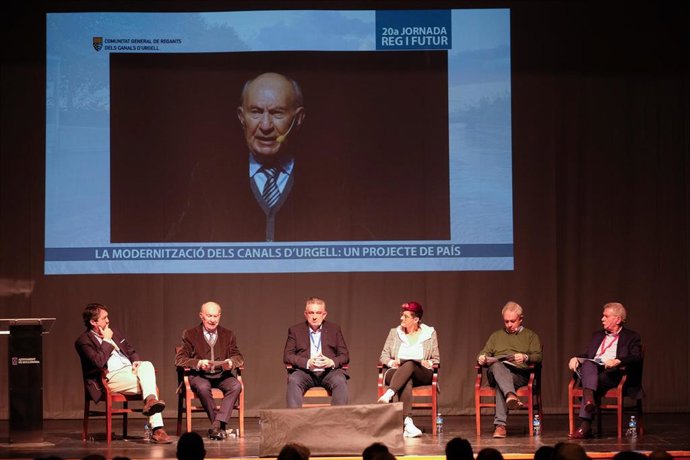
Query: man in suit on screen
{"type": "Point", "coordinates": [272, 109]}
{"type": "Point", "coordinates": [211, 169]}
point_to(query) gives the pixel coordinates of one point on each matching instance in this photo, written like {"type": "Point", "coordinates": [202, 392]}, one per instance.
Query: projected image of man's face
{"type": "Point", "coordinates": [270, 111]}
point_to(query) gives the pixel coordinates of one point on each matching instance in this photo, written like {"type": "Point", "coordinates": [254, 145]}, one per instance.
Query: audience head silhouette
{"type": "Point", "coordinates": [629, 455]}
{"type": "Point", "coordinates": [570, 451]}
{"type": "Point", "coordinates": [373, 450]}
{"type": "Point", "coordinates": [459, 449]}
{"type": "Point", "coordinates": [191, 447]}
{"type": "Point", "coordinates": [660, 455]}
{"type": "Point", "coordinates": [489, 453]}
{"type": "Point", "coordinates": [545, 453]}
{"type": "Point", "coordinates": [294, 451]}
{"type": "Point", "coordinates": [384, 456]}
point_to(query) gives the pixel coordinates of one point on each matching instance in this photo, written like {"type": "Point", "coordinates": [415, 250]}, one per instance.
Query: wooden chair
{"type": "Point", "coordinates": [111, 401]}
{"type": "Point", "coordinates": [315, 396]}
{"type": "Point", "coordinates": [186, 400]}
{"type": "Point", "coordinates": [530, 394]}
{"type": "Point", "coordinates": [427, 393]}
{"type": "Point", "coordinates": [613, 399]}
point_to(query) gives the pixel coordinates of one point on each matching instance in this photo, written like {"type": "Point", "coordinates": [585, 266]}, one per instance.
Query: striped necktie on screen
{"type": "Point", "coordinates": [271, 192]}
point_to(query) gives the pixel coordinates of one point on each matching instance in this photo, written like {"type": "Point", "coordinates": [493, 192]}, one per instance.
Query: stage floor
{"type": "Point", "coordinates": [670, 432]}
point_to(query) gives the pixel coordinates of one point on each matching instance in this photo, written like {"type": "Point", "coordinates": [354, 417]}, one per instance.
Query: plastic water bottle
{"type": "Point", "coordinates": [632, 427]}
{"type": "Point", "coordinates": [536, 425]}
{"type": "Point", "coordinates": [147, 432]}
{"type": "Point", "coordinates": [439, 423]}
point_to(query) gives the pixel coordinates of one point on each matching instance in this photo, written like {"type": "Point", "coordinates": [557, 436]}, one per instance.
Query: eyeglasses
{"type": "Point", "coordinates": [315, 313]}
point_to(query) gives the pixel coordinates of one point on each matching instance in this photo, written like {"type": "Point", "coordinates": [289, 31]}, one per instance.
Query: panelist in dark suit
{"type": "Point", "coordinates": [210, 352]}
{"type": "Point", "coordinates": [101, 349]}
{"type": "Point", "coordinates": [317, 352]}
{"type": "Point", "coordinates": [610, 348]}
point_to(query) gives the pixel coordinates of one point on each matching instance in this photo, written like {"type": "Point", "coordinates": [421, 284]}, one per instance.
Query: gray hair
{"type": "Point", "coordinates": [512, 306]}
{"type": "Point", "coordinates": [618, 310]}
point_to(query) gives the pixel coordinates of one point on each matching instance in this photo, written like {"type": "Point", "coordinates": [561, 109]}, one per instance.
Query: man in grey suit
{"type": "Point", "coordinates": [317, 352]}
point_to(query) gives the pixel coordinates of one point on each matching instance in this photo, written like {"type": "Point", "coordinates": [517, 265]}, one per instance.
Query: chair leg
{"type": "Point", "coordinates": [241, 413]}
{"type": "Point", "coordinates": [539, 411]}
{"type": "Point", "coordinates": [619, 415]}
{"type": "Point", "coordinates": [85, 424]}
{"type": "Point", "coordinates": [180, 408]}
{"type": "Point", "coordinates": [530, 414]}
{"type": "Point", "coordinates": [188, 407]}
{"type": "Point", "coordinates": [571, 403]}
{"type": "Point", "coordinates": [434, 411]}
{"type": "Point", "coordinates": [600, 430]}
{"type": "Point", "coordinates": [478, 413]}
{"type": "Point", "coordinates": [640, 416]}
{"type": "Point", "coordinates": [108, 420]}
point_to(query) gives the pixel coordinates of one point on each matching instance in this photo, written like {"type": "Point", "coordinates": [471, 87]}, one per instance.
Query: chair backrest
{"type": "Point", "coordinates": [633, 384]}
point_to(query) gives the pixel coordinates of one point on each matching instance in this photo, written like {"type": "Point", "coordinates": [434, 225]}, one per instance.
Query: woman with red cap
{"type": "Point", "coordinates": [410, 353]}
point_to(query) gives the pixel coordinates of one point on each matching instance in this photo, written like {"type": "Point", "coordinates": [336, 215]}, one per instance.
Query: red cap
{"type": "Point", "coordinates": [414, 307]}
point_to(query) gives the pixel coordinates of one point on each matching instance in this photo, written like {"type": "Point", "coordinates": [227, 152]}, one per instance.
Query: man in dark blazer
{"type": "Point", "coordinates": [317, 352]}
{"type": "Point", "coordinates": [599, 366]}
{"type": "Point", "coordinates": [101, 349]}
{"type": "Point", "coordinates": [210, 352]}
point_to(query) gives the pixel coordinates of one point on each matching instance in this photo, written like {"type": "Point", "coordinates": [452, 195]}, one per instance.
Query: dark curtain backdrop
{"type": "Point", "coordinates": [601, 118]}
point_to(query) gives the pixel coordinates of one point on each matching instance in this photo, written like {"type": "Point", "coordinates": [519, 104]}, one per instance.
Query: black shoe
{"type": "Point", "coordinates": [216, 433]}
{"type": "Point", "coordinates": [584, 432]}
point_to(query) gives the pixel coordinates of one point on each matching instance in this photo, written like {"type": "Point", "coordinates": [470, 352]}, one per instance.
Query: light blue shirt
{"type": "Point", "coordinates": [315, 348]}
{"type": "Point", "coordinates": [117, 360]}
{"type": "Point", "coordinates": [315, 339]}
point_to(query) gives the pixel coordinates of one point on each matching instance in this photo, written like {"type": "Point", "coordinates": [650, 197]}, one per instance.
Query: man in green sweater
{"type": "Point", "coordinates": [508, 353]}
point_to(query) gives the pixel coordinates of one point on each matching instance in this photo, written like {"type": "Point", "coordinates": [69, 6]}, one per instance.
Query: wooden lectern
{"type": "Point", "coordinates": [25, 375]}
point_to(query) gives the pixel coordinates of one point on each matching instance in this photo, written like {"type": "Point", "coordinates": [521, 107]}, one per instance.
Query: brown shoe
{"type": "Point", "coordinates": [513, 402]}
{"type": "Point", "coordinates": [152, 406]}
{"type": "Point", "coordinates": [159, 436]}
{"type": "Point", "coordinates": [500, 431]}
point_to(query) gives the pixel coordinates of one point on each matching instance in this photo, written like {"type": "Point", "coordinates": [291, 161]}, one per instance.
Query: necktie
{"type": "Point", "coordinates": [211, 340]}
{"type": "Point", "coordinates": [271, 192]}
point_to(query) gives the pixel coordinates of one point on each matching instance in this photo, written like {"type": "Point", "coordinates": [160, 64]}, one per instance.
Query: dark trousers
{"type": "Point", "coordinates": [401, 380]}
{"type": "Point", "coordinates": [333, 380]}
{"type": "Point", "coordinates": [230, 387]}
{"type": "Point", "coordinates": [597, 379]}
